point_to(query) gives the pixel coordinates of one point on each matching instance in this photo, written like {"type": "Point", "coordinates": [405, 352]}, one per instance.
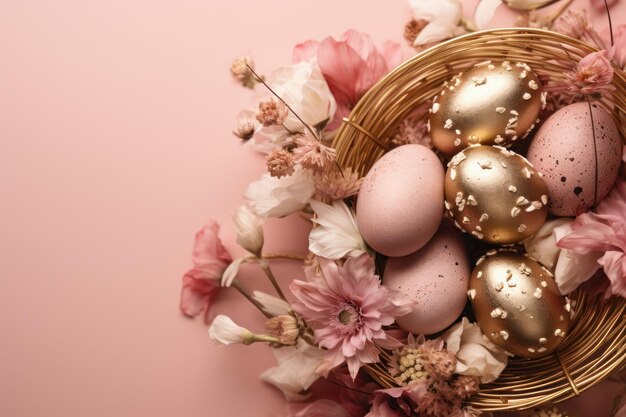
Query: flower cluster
{"type": "Point", "coordinates": [339, 322]}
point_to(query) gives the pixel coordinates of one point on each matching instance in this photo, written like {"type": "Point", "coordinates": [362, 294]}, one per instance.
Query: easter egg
{"type": "Point", "coordinates": [495, 194]}
{"type": "Point", "coordinates": [436, 277]}
{"type": "Point", "coordinates": [491, 103]}
{"type": "Point", "coordinates": [400, 204]}
{"type": "Point", "coordinates": [517, 304]}
{"type": "Point", "coordinates": [579, 170]}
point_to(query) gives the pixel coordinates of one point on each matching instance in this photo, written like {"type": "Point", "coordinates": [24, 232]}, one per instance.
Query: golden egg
{"type": "Point", "coordinates": [492, 103]}
{"type": "Point", "coordinates": [517, 304]}
{"type": "Point", "coordinates": [495, 194]}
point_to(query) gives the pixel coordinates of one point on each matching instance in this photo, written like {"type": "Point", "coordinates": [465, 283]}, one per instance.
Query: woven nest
{"type": "Point", "coordinates": [596, 344]}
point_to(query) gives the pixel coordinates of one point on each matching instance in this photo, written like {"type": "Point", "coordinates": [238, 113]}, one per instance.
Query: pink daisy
{"type": "Point", "coordinates": [347, 307]}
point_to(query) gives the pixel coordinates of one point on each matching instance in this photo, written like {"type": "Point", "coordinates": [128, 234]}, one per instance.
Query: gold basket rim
{"type": "Point", "coordinates": [574, 374]}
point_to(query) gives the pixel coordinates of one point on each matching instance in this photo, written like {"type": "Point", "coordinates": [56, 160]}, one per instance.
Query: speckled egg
{"type": "Point", "coordinates": [400, 205]}
{"type": "Point", "coordinates": [495, 102]}
{"type": "Point", "coordinates": [564, 151]}
{"type": "Point", "coordinates": [517, 304]}
{"type": "Point", "coordinates": [495, 194]}
{"type": "Point", "coordinates": [436, 277]}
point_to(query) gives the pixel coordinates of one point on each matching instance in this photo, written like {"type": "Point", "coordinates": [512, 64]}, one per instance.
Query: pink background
{"type": "Point", "coordinates": [115, 121]}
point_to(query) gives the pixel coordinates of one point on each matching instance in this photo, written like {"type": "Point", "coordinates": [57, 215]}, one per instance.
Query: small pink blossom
{"type": "Point", "coordinates": [333, 184]}
{"type": "Point", "coordinates": [312, 154]}
{"type": "Point", "coordinates": [591, 76]}
{"type": "Point", "coordinates": [604, 232]}
{"type": "Point", "coordinates": [577, 24]}
{"type": "Point", "coordinates": [280, 163]}
{"type": "Point", "coordinates": [201, 283]}
{"type": "Point", "coordinates": [347, 307]}
{"type": "Point", "coordinates": [351, 66]}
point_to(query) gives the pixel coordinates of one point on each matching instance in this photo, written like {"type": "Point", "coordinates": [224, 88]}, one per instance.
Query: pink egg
{"type": "Point", "coordinates": [563, 150]}
{"type": "Point", "coordinates": [437, 277]}
{"type": "Point", "coordinates": [400, 205]}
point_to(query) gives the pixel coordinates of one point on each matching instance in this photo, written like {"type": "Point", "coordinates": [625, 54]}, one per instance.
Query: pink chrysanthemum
{"type": "Point", "coordinates": [347, 307]}
{"type": "Point", "coordinates": [332, 184]}
{"type": "Point", "coordinates": [592, 75]}
{"type": "Point", "coordinates": [312, 154]}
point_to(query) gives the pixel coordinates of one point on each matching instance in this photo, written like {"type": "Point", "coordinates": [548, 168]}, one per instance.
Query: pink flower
{"type": "Point", "coordinates": [350, 66]}
{"type": "Point", "coordinates": [202, 282]}
{"type": "Point", "coordinates": [398, 402]}
{"type": "Point", "coordinates": [604, 232]}
{"type": "Point", "coordinates": [592, 75]}
{"type": "Point", "coordinates": [346, 307]}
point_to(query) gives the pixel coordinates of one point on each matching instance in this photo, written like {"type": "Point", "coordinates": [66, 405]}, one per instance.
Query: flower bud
{"type": "Point", "coordinates": [285, 328]}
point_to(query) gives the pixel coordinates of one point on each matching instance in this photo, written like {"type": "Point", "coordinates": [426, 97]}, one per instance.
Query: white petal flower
{"type": "Point", "coordinates": [572, 269]}
{"type": "Point", "coordinates": [249, 230]}
{"type": "Point", "coordinates": [542, 246]}
{"type": "Point", "coordinates": [295, 372]}
{"type": "Point", "coordinates": [476, 356]}
{"type": "Point", "coordinates": [485, 11]}
{"type": "Point", "coordinates": [277, 197]}
{"type": "Point", "coordinates": [337, 234]}
{"type": "Point", "coordinates": [272, 305]}
{"type": "Point", "coordinates": [225, 331]}
{"type": "Point", "coordinates": [230, 273]}
{"type": "Point", "coordinates": [444, 17]}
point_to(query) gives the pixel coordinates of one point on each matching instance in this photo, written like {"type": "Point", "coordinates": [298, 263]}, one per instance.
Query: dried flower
{"type": "Point", "coordinates": [548, 412]}
{"type": "Point", "coordinates": [225, 331]}
{"type": "Point", "coordinates": [408, 363]}
{"type": "Point", "coordinates": [413, 28]}
{"type": "Point", "coordinates": [278, 197]}
{"type": "Point", "coordinates": [577, 24]}
{"type": "Point", "coordinates": [280, 163]}
{"type": "Point", "coordinates": [246, 125]}
{"type": "Point", "coordinates": [346, 308]}
{"type": "Point", "coordinates": [240, 71]}
{"type": "Point", "coordinates": [440, 364]}
{"type": "Point", "coordinates": [295, 372]}
{"type": "Point", "coordinates": [412, 129]}
{"type": "Point", "coordinates": [533, 19]}
{"type": "Point", "coordinates": [249, 230]}
{"type": "Point", "coordinates": [333, 184]}
{"type": "Point", "coordinates": [201, 283]}
{"type": "Point", "coordinates": [592, 75]}
{"type": "Point", "coordinates": [284, 327]}
{"type": "Point", "coordinates": [312, 154]}
{"type": "Point", "coordinates": [465, 386]}
{"type": "Point", "coordinates": [272, 112]}
{"type": "Point", "coordinates": [337, 234]}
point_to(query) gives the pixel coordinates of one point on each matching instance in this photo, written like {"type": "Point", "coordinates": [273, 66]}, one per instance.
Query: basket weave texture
{"type": "Point", "coordinates": [596, 344]}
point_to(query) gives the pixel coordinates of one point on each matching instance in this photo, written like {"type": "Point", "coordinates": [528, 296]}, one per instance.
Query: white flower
{"type": "Point", "coordinates": [337, 234]}
{"type": "Point", "coordinates": [249, 230]}
{"type": "Point", "coordinates": [230, 273]}
{"type": "Point", "coordinates": [443, 17]}
{"type": "Point", "coordinates": [295, 372]}
{"type": "Point", "coordinates": [484, 12]}
{"type": "Point", "coordinates": [225, 331]}
{"type": "Point", "coordinates": [272, 305]}
{"type": "Point", "coordinates": [304, 88]}
{"type": "Point", "coordinates": [277, 197]}
{"type": "Point", "coordinates": [570, 269]}
{"type": "Point", "coordinates": [476, 355]}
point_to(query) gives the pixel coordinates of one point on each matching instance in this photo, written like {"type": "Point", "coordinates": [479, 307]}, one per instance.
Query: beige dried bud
{"type": "Point", "coordinates": [285, 328]}
{"type": "Point", "coordinates": [280, 163]}
{"type": "Point", "coordinates": [413, 28]}
{"type": "Point", "coordinates": [245, 126]}
{"type": "Point", "coordinates": [240, 71]}
{"type": "Point", "coordinates": [272, 112]}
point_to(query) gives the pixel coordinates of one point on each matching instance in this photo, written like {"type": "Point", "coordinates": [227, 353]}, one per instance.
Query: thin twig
{"type": "Point", "coordinates": [284, 256]}
{"type": "Point", "coordinates": [595, 152]}
{"type": "Point", "coordinates": [268, 271]}
{"type": "Point", "coordinates": [239, 287]}
{"type": "Point", "coordinates": [608, 13]}
{"type": "Point", "coordinates": [262, 81]}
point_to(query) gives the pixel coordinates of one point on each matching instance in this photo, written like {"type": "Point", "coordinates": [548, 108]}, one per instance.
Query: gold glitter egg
{"type": "Point", "coordinates": [517, 304]}
{"type": "Point", "coordinates": [495, 194]}
{"type": "Point", "coordinates": [492, 103]}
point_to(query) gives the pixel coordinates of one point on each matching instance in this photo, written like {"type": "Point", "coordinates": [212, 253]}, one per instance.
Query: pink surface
{"type": "Point", "coordinates": [115, 121]}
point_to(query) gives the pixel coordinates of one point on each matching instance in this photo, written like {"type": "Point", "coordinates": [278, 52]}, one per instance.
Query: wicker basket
{"type": "Point", "coordinates": [596, 344]}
